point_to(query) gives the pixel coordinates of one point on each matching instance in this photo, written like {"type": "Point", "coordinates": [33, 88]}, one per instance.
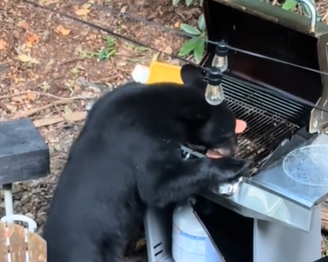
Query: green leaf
{"type": "Point", "coordinates": [188, 46]}
{"type": "Point", "coordinates": [175, 2]}
{"type": "Point", "coordinates": [102, 55]}
{"type": "Point", "coordinates": [155, 57]}
{"type": "Point", "coordinates": [199, 50]}
{"type": "Point", "coordinates": [110, 41]}
{"type": "Point", "coordinates": [289, 5]}
{"type": "Point", "coordinates": [201, 22]}
{"type": "Point", "coordinates": [190, 29]}
{"type": "Point", "coordinates": [305, 10]}
{"type": "Point", "coordinates": [111, 54]}
{"type": "Point", "coordinates": [188, 2]}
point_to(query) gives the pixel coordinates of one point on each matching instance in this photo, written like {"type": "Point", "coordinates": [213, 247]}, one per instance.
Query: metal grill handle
{"type": "Point", "coordinates": [313, 11]}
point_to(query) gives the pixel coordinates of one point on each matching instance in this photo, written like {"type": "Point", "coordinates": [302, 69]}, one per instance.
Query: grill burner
{"type": "Point", "coordinates": [270, 119]}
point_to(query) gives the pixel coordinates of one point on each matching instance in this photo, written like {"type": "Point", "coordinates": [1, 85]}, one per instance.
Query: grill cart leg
{"type": "Point", "coordinates": [158, 229]}
{"type": "Point", "coordinates": [274, 242]}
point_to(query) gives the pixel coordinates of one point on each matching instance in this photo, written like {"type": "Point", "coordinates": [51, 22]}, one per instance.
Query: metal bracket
{"type": "Point", "coordinates": [313, 11]}
{"type": "Point", "coordinates": [31, 223]}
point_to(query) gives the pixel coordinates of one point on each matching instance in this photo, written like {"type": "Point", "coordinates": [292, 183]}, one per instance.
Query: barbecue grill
{"type": "Point", "coordinates": [277, 217]}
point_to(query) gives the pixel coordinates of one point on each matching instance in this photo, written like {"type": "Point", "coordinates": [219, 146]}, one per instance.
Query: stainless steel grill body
{"type": "Point", "coordinates": [283, 215]}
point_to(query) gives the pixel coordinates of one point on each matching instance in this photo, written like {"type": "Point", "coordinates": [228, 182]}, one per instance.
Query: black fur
{"type": "Point", "coordinates": [128, 157]}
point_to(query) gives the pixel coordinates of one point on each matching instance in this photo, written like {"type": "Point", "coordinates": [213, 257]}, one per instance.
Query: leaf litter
{"type": "Point", "coordinates": [50, 71]}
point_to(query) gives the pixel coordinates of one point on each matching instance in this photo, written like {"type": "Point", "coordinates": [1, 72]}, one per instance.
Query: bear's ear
{"type": "Point", "coordinates": [192, 77]}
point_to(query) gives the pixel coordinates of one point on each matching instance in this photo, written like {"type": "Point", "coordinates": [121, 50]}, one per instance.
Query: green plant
{"type": "Point", "coordinates": [290, 5]}
{"type": "Point", "coordinates": [187, 2]}
{"type": "Point", "coordinates": [108, 51]}
{"type": "Point", "coordinates": [195, 45]}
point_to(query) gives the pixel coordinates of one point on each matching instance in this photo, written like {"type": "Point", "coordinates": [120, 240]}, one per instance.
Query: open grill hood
{"type": "Point", "coordinates": [261, 28]}
{"type": "Point", "coordinates": [276, 125]}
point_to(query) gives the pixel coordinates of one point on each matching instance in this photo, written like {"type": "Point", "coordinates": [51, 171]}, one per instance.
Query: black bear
{"type": "Point", "coordinates": [128, 157]}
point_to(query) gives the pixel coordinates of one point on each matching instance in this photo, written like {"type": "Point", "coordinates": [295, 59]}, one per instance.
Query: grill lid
{"type": "Point", "coordinates": [268, 30]}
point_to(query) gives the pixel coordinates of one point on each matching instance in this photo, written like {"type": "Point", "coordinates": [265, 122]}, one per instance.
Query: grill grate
{"type": "Point", "coordinates": [269, 120]}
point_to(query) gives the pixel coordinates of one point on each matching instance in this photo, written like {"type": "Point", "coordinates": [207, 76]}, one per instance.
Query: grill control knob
{"type": "Point", "coordinates": [229, 189]}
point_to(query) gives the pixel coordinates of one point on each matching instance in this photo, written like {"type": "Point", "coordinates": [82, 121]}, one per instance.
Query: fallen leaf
{"type": "Point", "coordinates": [19, 80]}
{"type": "Point", "coordinates": [75, 70]}
{"type": "Point", "coordinates": [82, 12]}
{"type": "Point", "coordinates": [26, 46]}
{"type": "Point", "coordinates": [123, 9]}
{"type": "Point", "coordinates": [19, 98]}
{"type": "Point", "coordinates": [23, 24]}
{"type": "Point", "coordinates": [67, 110]}
{"type": "Point", "coordinates": [32, 39]}
{"type": "Point", "coordinates": [33, 76]}
{"type": "Point", "coordinates": [12, 108]}
{"type": "Point", "coordinates": [4, 107]}
{"type": "Point", "coordinates": [3, 44]}
{"type": "Point", "coordinates": [48, 2]}
{"type": "Point", "coordinates": [88, 4]}
{"type": "Point", "coordinates": [45, 86]}
{"type": "Point", "coordinates": [31, 96]}
{"type": "Point", "coordinates": [155, 57]}
{"type": "Point", "coordinates": [73, 117]}
{"type": "Point", "coordinates": [36, 109]}
{"type": "Point", "coordinates": [62, 30]}
{"type": "Point", "coordinates": [25, 58]}
{"type": "Point", "coordinates": [168, 50]}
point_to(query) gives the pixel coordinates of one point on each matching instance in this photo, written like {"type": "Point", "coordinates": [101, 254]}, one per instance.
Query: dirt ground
{"type": "Point", "coordinates": [45, 59]}
{"type": "Point", "coordinates": [49, 70]}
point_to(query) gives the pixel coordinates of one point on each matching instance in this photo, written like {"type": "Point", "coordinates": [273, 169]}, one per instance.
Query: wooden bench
{"type": "Point", "coordinates": [19, 244]}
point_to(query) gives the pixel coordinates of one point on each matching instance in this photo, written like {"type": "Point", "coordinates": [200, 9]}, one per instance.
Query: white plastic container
{"type": "Point", "coordinates": [308, 165]}
{"type": "Point", "coordinates": [190, 242]}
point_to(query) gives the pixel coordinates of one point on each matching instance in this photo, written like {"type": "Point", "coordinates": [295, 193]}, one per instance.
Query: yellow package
{"type": "Point", "coordinates": [163, 72]}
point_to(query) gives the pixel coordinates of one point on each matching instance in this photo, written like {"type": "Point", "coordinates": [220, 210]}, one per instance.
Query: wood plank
{"type": "Point", "coordinates": [69, 117]}
{"type": "Point", "coordinates": [37, 248]}
{"type": "Point", "coordinates": [3, 248]}
{"type": "Point", "coordinates": [17, 243]}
